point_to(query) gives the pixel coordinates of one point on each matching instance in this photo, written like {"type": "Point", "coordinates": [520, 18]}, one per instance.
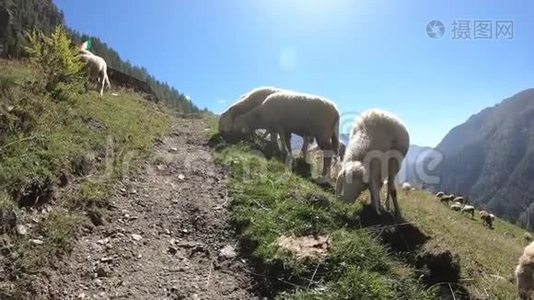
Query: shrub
{"type": "Point", "coordinates": [58, 59]}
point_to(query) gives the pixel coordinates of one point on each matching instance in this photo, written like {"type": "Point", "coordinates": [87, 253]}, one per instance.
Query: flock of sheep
{"type": "Point", "coordinates": [459, 203]}
{"type": "Point", "coordinates": [378, 144]}
{"type": "Point", "coordinates": [378, 140]}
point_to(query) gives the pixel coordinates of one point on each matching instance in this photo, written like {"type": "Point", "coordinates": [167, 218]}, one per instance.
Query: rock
{"type": "Point", "coordinates": [172, 250]}
{"type": "Point", "coordinates": [81, 296]}
{"type": "Point", "coordinates": [136, 237]}
{"type": "Point", "coordinates": [21, 229]}
{"type": "Point", "coordinates": [228, 252]}
{"type": "Point", "coordinates": [167, 232]}
{"type": "Point", "coordinates": [181, 176]}
{"type": "Point", "coordinates": [106, 259]}
{"type": "Point", "coordinates": [36, 242]}
{"type": "Point", "coordinates": [102, 271]}
{"type": "Point", "coordinates": [103, 241]}
{"type": "Point", "coordinates": [173, 149]}
{"type": "Point", "coordinates": [186, 244]}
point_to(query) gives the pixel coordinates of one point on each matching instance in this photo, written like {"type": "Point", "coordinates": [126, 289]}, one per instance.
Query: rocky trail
{"type": "Point", "coordinates": [167, 235]}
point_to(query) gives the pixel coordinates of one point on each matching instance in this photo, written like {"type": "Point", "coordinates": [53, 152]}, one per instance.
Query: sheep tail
{"type": "Point", "coordinates": [335, 137]}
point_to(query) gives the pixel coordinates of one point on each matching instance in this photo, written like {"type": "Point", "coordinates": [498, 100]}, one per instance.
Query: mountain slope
{"type": "Point", "coordinates": [18, 17]}
{"type": "Point", "coordinates": [412, 164]}
{"type": "Point", "coordinates": [490, 158]}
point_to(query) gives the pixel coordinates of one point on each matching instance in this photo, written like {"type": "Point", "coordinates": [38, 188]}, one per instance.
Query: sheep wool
{"type": "Point", "coordinates": [306, 115]}
{"type": "Point", "coordinates": [524, 273]}
{"type": "Point", "coordinates": [378, 144]}
{"type": "Point", "coordinates": [97, 68]}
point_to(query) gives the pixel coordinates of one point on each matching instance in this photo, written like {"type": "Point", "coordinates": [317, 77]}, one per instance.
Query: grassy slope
{"type": "Point", "coordinates": [270, 202]}
{"type": "Point", "coordinates": [487, 257]}
{"type": "Point", "coordinates": [41, 138]}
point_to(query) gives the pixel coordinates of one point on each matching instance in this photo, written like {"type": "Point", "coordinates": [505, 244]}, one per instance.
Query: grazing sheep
{"type": "Point", "coordinates": [246, 103]}
{"type": "Point", "coordinates": [524, 273]}
{"type": "Point", "coordinates": [378, 144]}
{"type": "Point", "coordinates": [306, 115]}
{"type": "Point", "coordinates": [446, 198]}
{"type": "Point", "coordinates": [406, 187]}
{"type": "Point", "coordinates": [440, 194]}
{"type": "Point", "coordinates": [97, 68]}
{"type": "Point", "coordinates": [456, 207]}
{"type": "Point", "coordinates": [487, 218]}
{"type": "Point", "coordinates": [468, 209]}
{"type": "Point", "coordinates": [527, 236]}
{"type": "Point", "coordinates": [460, 200]}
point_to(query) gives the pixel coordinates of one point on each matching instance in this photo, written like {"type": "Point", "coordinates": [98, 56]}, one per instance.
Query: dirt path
{"type": "Point", "coordinates": [164, 237]}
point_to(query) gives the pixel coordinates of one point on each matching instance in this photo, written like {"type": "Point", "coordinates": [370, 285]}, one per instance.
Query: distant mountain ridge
{"type": "Point", "coordinates": [490, 158]}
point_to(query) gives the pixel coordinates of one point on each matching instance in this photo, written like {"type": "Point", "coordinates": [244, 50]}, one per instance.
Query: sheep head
{"type": "Point", "coordinates": [350, 181]}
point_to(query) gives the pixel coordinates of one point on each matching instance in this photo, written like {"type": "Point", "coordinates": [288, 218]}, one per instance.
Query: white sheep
{"type": "Point", "coordinates": [248, 102]}
{"type": "Point", "coordinates": [97, 68]}
{"type": "Point", "coordinates": [524, 273]}
{"type": "Point", "coordinates": [487, 218]}
{"type": "Point", "coordinates": [527, 236]}
{"type": "Point", "coordinates": [288, 112]}
{"type": "Point", "coordinates": [378, 144]}
{"type": "Point", "coordinates": [460, 200]}
{"type": "Point", "coordinates": [456, 207]}
{"type": "Point", "coordinates": [446, 198]}
{"type": "Point", "coordinates": [468, 209]}
{"type": "Point", "coordinates": [406, 187]}
{"type": "Point", "coordinates": [440, 194]}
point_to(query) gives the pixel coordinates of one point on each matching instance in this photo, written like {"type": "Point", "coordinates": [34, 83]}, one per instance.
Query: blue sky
{"type": "Point", "coordinates": [361, 54]}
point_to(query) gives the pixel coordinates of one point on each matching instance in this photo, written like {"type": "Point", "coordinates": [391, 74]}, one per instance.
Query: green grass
{"type": "Point", "coordinates": [269, 202]}
{"type": "Point", "coordinates": [487, 257]}
{"type": "Point", "coordinates": [42, 138]}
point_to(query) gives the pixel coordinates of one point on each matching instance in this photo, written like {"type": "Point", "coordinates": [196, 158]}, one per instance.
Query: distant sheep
{"type": "Point", "coordinates": [524, 273]}
{"type": "Point", "coordinates": [470, 209]}
{"type": "Point", "coordinates": [97, 68]}
{"type": "Point", "coordinates": [460, 200]}
{"type": "Point", "coordinates": [487, 218]}
{"type": "Point", "coordinates": [306, 115]}
{"type": "Point", "coordinates": [528, 237]}
{"type": "Point", "coordinates": [446, 198]}
{"type": "Point", "coordinates": [456, 207]}
{"type": "Point", "coordinates": [440, 194]}
{"type": "Point", "coordinates": [406, 187]}
{"type": "Point", "coordinates": [378, 144]}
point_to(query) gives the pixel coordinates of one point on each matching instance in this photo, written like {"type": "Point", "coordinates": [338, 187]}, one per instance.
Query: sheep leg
{"type": "Point", "coordinates": [286, 142]}
{"type": "Point", "coordinates": [107, 80]}
{"type": "Point", "coordinates": [326, 146]}
{"type": "Point", "coordinates": [274, 140]}
{"type": "Point", "coordinates": [393, 192]}
{"type": "Point", "coordinates": [375, 196]}
{"type": "Point", "coordinates": [304, 149]}
{"type": "Point", "coordinates": [101, 77]}
{"type": "Point", "coordinates": [388, 196]}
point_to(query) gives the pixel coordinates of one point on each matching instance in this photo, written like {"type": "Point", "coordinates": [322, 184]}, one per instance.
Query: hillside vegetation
{"type": "Point", "coordinates": [66, 152]}
{"type": "Point", "coordinates": [20, 16]}
{"type": "Point", "coordinates": [270, 203]}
